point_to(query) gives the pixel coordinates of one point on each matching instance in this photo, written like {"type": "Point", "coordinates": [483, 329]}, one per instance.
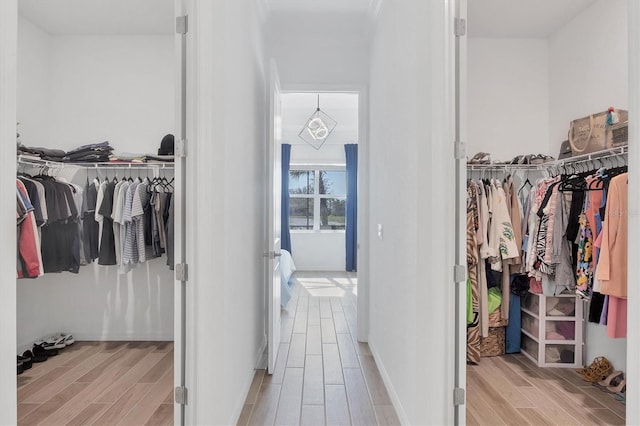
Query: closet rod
{"type": "Point", "coordinates": [597, 155]}
{"type": "Point", "coordinates": [103, 165]}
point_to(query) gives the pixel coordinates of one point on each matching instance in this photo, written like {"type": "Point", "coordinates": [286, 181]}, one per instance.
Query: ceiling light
{"type": "Point", "coordinates": [318, 128]}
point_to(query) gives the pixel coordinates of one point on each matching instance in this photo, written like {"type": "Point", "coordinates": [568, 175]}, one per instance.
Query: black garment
{"type": "Point", "coordinates": [60, 236]}
{"type": "Point", "coordinates": [90, 227]}
{"type": "Point", "coordinates": [573, 227]}
{"type": "Point", "coordinates": [107, 242]}
{"type": "Point", "coordinates": [595, 307]}
{"type": "Point", "coordinates": [170, 233]}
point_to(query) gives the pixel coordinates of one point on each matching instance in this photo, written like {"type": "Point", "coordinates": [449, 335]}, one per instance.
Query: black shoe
{"type": "Point", "coordinates": [39, 350]}
{"type": "Point", "coordinates": [26, 362]}
{"type": "Point", "coordinates": [20, 367]}
{"type": "Point", "coordinates": [34, 358]}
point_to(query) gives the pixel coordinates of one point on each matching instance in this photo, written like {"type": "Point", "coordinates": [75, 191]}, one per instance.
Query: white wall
{"type": "Point", "coordinates": [588, 66]}
{"type": "Point", "coordinates": [73, 90]}
{"type": "Point", "coordinates": [328, 49]}
{"type": "Point", "coordinates": [225, 225]}
{"type": "Point", "coordinates": [98, 304]}
{"type": "Point", "coordinates": [115, 88]}
{"type": "Point", "coordinates": [8, 67]}
{"type": "Point", "coordinates": [508, 97]}
{"type": "Point", "coordinates": [588, 72]}
{"type": "Point", "coordinates": [34, 88]}
{"type": "Point", "coordinates": [318, 251]}
{"type": "Point", "coordinates": [411, 291]}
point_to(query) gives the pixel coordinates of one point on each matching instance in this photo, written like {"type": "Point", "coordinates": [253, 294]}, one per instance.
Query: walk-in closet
{"type": "Point", "coordinates": [96, 112]}
{"type": "Point", "coordinates": [547, 212]}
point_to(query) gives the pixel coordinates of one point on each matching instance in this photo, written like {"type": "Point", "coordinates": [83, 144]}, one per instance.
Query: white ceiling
{"type": "Point", "coordinates": [66, 17]}
{"type": "Point", "coordinates": [521, 18]}
{"type": "Point", "coordinates": [311, 6]}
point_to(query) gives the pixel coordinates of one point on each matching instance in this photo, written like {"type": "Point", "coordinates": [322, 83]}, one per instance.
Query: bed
{"type": "Point", "coordinates": [287, 268]}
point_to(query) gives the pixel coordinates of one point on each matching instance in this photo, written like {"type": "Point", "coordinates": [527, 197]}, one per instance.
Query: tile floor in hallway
{"type": "Point", "coordinates": [323, 375]}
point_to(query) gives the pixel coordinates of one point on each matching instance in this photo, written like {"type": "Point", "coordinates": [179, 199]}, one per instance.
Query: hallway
{"type": "Point", "coordinates": [323, 375]}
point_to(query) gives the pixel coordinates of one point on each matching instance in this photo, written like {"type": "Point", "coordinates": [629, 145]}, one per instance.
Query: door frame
{"type": "Point", "coordinates": [272, 248]}
{"type": "Point", "coordinates": [363, 190]}
{"type": "Point", "coordinates": [633, 315]}
{"type": "Point", "coordinates": [8, 116]}
{"type": "Point", "coordinates": [459, 84]}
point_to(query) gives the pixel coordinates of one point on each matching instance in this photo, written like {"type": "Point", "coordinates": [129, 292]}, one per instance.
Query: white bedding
{"type": "Point", "coordinates": [287, 268]}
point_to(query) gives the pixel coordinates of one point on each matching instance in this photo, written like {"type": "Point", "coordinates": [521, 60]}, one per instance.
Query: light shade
{"type": "Point", "coordinates": [317, 128]}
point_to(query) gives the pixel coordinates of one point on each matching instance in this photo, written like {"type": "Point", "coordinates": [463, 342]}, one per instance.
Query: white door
{"type": "Point", "coordinates": [272, 252]}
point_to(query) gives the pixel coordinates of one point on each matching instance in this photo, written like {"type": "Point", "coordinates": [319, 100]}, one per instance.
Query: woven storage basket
{"type": "Point", "coordinates": [493, 345]}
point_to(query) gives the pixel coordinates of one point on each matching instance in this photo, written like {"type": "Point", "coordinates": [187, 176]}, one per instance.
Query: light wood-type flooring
{"type": "Point", "coordinates": [512, 390]}
{"type": "Point", "coordinates": [100, 383]}
{"type": "Point", "coordinates": [323, 375]}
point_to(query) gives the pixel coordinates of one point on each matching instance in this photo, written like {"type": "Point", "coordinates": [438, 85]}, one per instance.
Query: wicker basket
{"type": "Point", "coordinates": [493, 345]}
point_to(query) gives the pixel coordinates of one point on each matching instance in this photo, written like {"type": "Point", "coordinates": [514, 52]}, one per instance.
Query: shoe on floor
{"type": "Point", "coordinates": [26, 362]}
{"type": "Point", "coordinates": [51, 342]}
{"type": "Point", "coordinates": [20, 367]}
{"type": "Point", "coordinates": [42, 350]}
{"type": "Point", "coordinates": [34, 358]}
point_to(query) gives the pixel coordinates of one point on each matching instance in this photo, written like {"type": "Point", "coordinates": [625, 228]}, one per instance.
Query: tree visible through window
{"type": "Point", "coordinates": [317, 199]}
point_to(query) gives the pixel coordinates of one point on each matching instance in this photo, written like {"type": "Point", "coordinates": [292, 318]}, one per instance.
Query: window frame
{"type": "Point", "coordinates": [316, 196]}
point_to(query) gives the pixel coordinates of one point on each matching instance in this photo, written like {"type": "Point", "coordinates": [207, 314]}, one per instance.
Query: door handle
{"type": "Point", "coordinates": [271, 254]}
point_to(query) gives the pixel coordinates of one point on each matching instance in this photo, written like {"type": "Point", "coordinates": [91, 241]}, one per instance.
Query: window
{"type": "Point", "coordinates": [318, 199]}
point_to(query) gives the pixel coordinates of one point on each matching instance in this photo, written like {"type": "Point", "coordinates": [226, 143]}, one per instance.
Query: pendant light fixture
{"type": "Point", "coordinates": [318, 128]}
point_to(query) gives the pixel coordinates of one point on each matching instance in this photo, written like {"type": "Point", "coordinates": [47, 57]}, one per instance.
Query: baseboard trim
{"type": "Point", "coordinates": [393, 395]}
{"type": "Point", "coordinates": [261, 356]}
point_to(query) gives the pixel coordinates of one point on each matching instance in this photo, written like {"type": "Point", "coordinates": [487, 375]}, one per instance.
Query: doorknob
{"type": "Point", "coordinates": [272, 254]}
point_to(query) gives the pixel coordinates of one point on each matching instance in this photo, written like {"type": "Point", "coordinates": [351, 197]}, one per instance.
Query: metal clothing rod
{"type": "Point", "coordinates": [103, 165]}
{"type": "Point", "coordinates": [598, 155]}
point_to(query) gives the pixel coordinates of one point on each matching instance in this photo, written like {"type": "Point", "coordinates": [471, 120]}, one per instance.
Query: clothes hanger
{"type": "Point", "coordinates": [525, 183]}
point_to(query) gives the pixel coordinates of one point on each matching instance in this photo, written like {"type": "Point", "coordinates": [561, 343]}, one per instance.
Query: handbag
{"type": "Point", "coordinates": [591, 134]}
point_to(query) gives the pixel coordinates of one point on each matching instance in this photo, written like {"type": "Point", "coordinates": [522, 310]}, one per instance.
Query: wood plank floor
{"type": "Point", "coordinates": [510, 389]}
{"type": "Point", "coordinates": [100, 383]}
{"type": "Point", "coordinates": [323, 374]}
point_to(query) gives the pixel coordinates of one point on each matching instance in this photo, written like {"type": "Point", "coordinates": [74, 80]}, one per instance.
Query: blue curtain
{"type": "Point", "coordinates": [285, 235]}
{"type": "Point", "coordinates": [351, 151]}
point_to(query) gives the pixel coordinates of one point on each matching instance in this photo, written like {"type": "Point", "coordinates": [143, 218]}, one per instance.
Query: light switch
{"type": "Point", "coordinates": [380, 231]}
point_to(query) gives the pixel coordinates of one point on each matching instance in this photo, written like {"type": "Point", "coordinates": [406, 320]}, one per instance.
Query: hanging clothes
{"type": "Point", "coordinates": [473, 329]}
{"type": "Point", "coordinates": [612, 262]}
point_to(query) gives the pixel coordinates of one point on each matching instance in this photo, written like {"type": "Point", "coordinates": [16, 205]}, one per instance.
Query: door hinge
{"type": "Point", "coordinates": [459, 273]}
{"type": "Point", "coordinates": [182, 271]}
{"type": "Point", "coordinates": [460, 27]}
{"type": "Point", "coordinates": [458, 396]}
{"type": "Point", "coordinates": [180, 393]}
{"type": "Point", "coordinates": [460, 150]}
{"type": "Point", "coordinates": [182, 24]}
{"type": "Point", "coordinates": [181, 148]}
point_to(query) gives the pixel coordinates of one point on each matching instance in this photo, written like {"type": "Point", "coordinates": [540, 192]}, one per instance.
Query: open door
{"type": "Point", "coordinates": [460, 88]}
{"type": "Point", "coordinates": [272, 252]}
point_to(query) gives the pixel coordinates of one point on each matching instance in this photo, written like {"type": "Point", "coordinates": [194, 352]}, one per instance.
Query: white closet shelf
{"type": "Point", "coordinates": [551, 165]}
{"type": "Point", "coordinates": [21, 159]}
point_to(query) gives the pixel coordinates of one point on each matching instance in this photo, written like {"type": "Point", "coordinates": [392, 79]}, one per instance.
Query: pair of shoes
{"type": "Point", "coordinates": [33, 357]}
{"type": "Point", "coordinates": [619, 389]}
{"type": "Point", "coordinates": [26, 362]}
{"type": "Point", "coordinates": [597, 370]}
{"type": "Point", "coordinates": [56, 341]}
{"type": "Point", "coordinates": [480, 158]}
{"type": "Point", "coordinates": [40, 350]}
{"type": "Point", "coordinates": [612, 379]}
